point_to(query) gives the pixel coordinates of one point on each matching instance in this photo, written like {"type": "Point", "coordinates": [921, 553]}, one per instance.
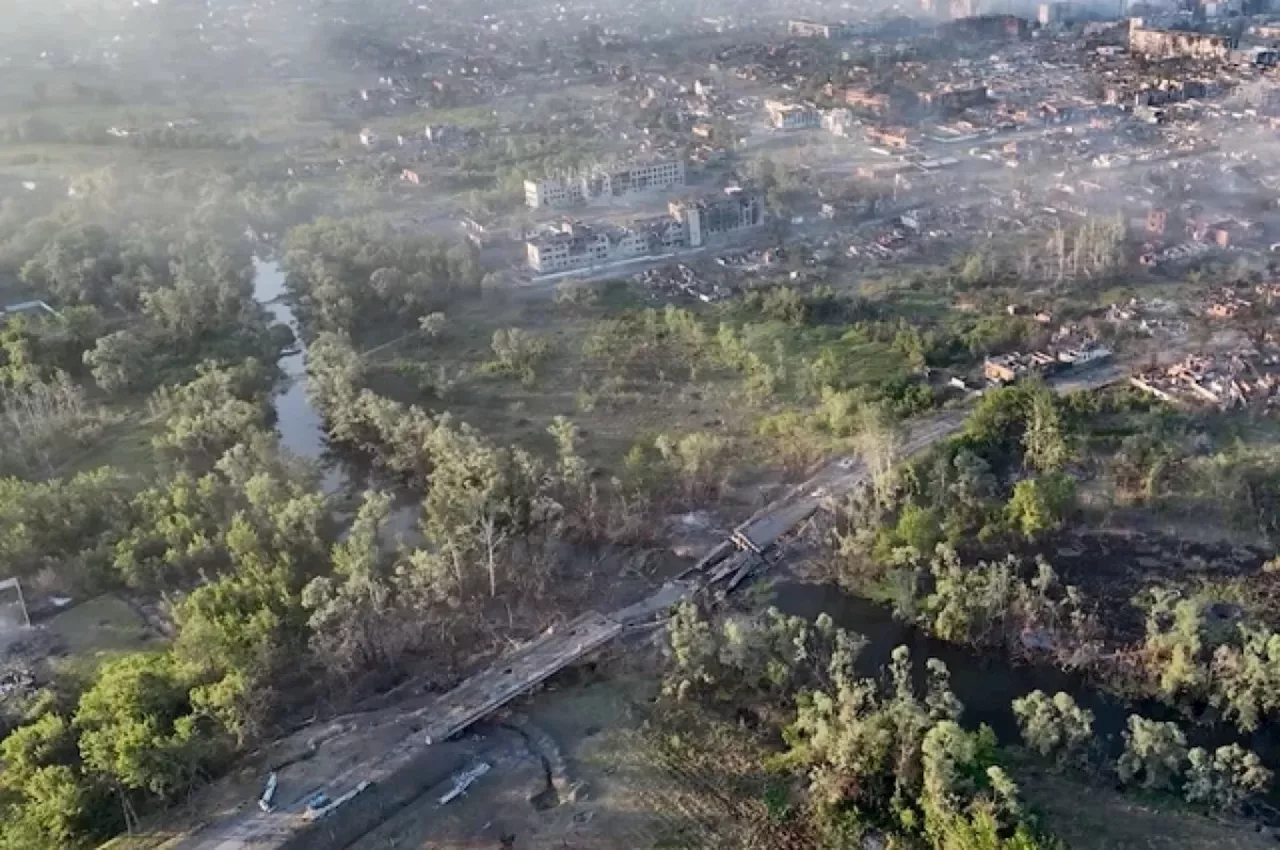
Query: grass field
{"type": "Point", "coordinates": [1093, 817]}
{"type": "Point", "coordinates": [96, 631]}
{"type": "Point", "coordinates": [567, 382]}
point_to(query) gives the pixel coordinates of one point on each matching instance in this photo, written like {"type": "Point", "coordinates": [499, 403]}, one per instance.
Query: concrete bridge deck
{"type": "Point", "coordinates": [514, 674]}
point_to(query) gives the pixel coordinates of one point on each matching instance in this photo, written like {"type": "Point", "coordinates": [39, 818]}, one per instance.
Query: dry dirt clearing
{"type": "Point", "coordinates": [625, 787]}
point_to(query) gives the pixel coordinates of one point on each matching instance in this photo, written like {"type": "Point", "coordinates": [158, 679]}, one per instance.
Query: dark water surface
{"type": "Point", "coordinates": [300, 426]}
{"type": "Point", "coordinates": [302, 429]}
{"type": "Point", "coordinates": [987, 682]}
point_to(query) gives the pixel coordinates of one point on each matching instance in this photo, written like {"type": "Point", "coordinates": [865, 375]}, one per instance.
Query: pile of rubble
{"type": "Point", "coordinates": [752, 260]}
{"type": "Point", "coordinates": [1148, 317]}
{"type": "Point", "coordinates": [1224, 381]}
{"type": "Point", "coordinates": [681, 280]}
{"type": "Point", "coordinates": [16, 682]}
{"type": "Point", "coordinates": [1067, 354]}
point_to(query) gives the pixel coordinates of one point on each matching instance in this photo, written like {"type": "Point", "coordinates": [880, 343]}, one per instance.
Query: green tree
{"type": "Point", "coordinates": [976, 269]}
{"type": "Point", "coordinates": [241, 633]}
{"type": "Point", "coordinates": [433, 325]}
{"type": "Point", "coordinates": [64, 526]}
{"type": "Point", "coordinates": [350, 612]}
{"type": "Point", "coordinates": [911, 345]}
{"type": "Point", "coordinates": [838, 411]}
{"type": "Point", "coordinates": [879, 442]}
{"type": "Point", "coordinates": [478, 497]}
{"type": "Point", "coordinates": [692, 649]}
{"type": "Point", "coordinates": [998, 422]}
{"type": "Point", "coordinates": [78, 266]}
{"type": "Point", "coordinates": [1247, 676]}
{"type": "Point", "coordinates": [969, 489]}
{"type": "Point", "coordinates": [120, 361]}
{"type": "Point", "coordinates": [1175, 641]}
{"type": "Point", "coordinates": [1040, 505]}
{"type": "Point", "coordinates": [1154, 754]}
{"type": "Point", "coordinates": [185, 528]}
{"type": "Point", "coordinates": [517, 352]}
{"type": "Point", "coordinates": [47, 740]}
{"type": "Point", "coordinates": [57, 809]}
{"type": "Point", "coordinates": [970, 604]}
{"type": "Point", "coordinates": [1054, 727]}
{"type": "Point", "coordinates": [1224, 778]}
{"type": "Point", "coordinates": [207, 416]}
{"type": "Point", "coordinates": [351, 275]}
{"type": "Point", "coordinates": [138, 731]}
{"type": "Point", "coordinates": [1045, 447]}
{"type": "Point", "coordinates": [572, 467]}
{"type": "Point", "coordinates": [697, 461]}
{"type": "Point", "coordinates": [918, 528]}
{"type": "Point", "coordinates": [950, 760]}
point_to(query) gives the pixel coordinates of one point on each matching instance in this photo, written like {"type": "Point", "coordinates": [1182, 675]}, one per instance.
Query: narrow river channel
{"type": "Point", "coordinates": [987, 682]}
{"type": "Point", "coordinates": [300, 425]}
{"type": "Point", "coordinates": [301, 428]}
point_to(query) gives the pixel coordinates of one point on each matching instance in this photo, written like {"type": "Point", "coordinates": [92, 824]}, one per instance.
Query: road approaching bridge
{"type": "Point", "coordinates": [418, 751]}
{"type": "Point", "coordinates": [517, 673]}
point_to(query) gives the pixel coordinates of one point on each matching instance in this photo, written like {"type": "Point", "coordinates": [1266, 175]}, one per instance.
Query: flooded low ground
{"type": "Point", "coordinates": [1112, 566]}
{"type": "Point", "coordinates": [987, 683]}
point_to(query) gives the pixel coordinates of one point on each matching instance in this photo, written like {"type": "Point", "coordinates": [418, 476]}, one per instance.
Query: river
{"type": "Point", "coordinates": [987, 682]}
{"type": "Point", "coordinates": [300, 425]}
{"type": "Point", "coordinates": [301, 428]}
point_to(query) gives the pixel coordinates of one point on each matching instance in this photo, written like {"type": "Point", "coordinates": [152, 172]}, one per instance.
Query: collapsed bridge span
{"type": "Point", "coordinates": [517, 673]}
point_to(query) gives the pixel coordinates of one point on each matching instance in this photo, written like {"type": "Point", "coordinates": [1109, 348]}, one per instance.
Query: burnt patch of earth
{"type": "Point", "coordinates": [1112, 567]}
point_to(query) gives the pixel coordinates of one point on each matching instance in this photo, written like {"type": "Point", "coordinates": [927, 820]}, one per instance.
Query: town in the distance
{"type": "Point", "coordinates": [677, 425]}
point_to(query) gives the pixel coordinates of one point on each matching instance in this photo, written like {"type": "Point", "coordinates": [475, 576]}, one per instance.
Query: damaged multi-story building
{"type": "Point", "coordinates": [689, 224]}
{"type": "Point", "coordinates": [954, 98]}
{"type": "Point", "coordinates": [792, 116]}
{"type": "Point", "coordinates": [804, 28]}
{"type": "Point", "coordinates": [872, 101]}
{"type": "Point", "coordinates": [576, 245]}
{"type": "Point", "coordinates": [604, 183]}
{"type": "Point", "coordinates": [709, 218]}
{"type": "Point", "coordinates": [1178, 44]}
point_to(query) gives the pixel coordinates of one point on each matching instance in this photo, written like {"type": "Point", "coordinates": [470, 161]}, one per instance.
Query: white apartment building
{"type": "Point", "coordinates": [792, 116]}
{"type": "Point", "coordinates": [572, 246]}
{"type": "Point", "coordinates": [575, 245]}
{"type": "Point", "coordinates": [688, 224]}
{"type": "Point", "coordinates": [553, 192]}
{"type": "Point", "coordinates": [603, 183]}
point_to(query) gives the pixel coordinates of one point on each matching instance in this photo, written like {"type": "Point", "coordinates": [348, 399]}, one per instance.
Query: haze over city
{"type": "Point", "coordinates": [717, 424]}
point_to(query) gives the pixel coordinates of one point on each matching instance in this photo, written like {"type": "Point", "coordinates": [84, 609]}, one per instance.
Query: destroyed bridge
{"type": "Point", "coordinates": [365, 794]}
{"type": "Point", "coordinates": [520, 671]}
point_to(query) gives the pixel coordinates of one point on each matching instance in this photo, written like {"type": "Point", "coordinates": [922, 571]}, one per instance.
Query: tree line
{"type": "Point", "coordinates": [884, 758]}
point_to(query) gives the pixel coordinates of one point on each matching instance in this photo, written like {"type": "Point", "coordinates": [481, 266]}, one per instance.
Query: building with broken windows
{"type": "Point", "coordinates": [1178, 44]}
{"type": "Point", "coordinates": [709, 218]}
{"type": "Point", "coordinates": [604, 183]}
{"type": "Point", "coordinates": [689, 224]}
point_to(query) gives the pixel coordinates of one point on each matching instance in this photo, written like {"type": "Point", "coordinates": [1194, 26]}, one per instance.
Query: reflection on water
{"type": "Point", "coordinates": [300, 426]}
{"type": "Point", "coordinates": [987, 682]}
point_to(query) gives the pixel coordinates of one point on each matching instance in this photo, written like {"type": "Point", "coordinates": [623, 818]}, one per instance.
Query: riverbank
{"type": "Point", "coordinates": [644, 777]}
{"type": "Point", "coordinates": [300, 425]}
